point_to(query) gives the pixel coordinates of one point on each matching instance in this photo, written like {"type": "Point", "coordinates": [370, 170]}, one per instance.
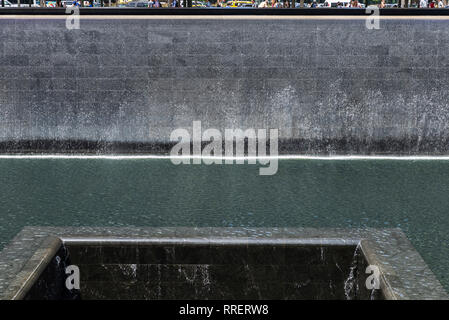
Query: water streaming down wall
{"type": "Point", "coordinates": [329, 86]}
{"type": "Point", "coordinates": [220, 271]}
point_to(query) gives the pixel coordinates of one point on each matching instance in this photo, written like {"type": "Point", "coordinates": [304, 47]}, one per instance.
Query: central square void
{"type": "Point", "coordinates": [229, 270]}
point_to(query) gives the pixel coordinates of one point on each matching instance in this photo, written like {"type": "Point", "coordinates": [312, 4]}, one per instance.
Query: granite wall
{"type": "Point", "coordinates": [219, 271]}
{"type": "Point", "coordinates": [122, 85]}
{"type": "Point", "coordinates": [51, 284]}
{"type": "Point", "coordinates": [293, 263]}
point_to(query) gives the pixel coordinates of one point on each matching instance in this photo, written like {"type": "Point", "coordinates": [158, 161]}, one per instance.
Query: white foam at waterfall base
{"type": "Point", "coordinates": [280, 157]}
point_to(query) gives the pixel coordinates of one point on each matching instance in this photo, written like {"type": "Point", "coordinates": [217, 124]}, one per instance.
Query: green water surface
{"type": "Point", "coordinates": [411, 195]}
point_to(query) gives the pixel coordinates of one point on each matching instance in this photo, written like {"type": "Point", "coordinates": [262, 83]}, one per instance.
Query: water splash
{"type": "Point", "coordinates": [351, 284]}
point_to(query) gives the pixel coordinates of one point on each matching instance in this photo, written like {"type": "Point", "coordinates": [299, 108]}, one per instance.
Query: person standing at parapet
{"type": "Point", "coordinates": [355, 4]}
{"type": "Point", "coordinates": [382, 4]}
{"type": "Point", "coordinates": [423, 4]}
{"type": "Point", "coordinates": [441, 4]}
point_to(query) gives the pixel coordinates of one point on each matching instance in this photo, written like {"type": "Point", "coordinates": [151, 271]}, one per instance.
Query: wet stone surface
{"type": "Point", "coordinates": [228, 263]}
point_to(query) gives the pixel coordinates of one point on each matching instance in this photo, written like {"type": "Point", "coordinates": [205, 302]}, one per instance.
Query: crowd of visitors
{"type": "Point", "coordinates": [240, 3]}
{"type": "Point", "coordinates": [431, 4]}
